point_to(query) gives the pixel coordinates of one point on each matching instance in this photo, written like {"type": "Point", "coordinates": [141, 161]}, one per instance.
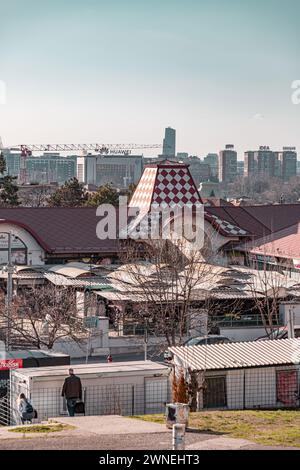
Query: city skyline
{"type": "Point", "coordinates": [120, 72]}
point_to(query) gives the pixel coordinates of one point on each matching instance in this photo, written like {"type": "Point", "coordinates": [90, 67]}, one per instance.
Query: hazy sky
{"type": "Point", "coordinates": [219, 71]}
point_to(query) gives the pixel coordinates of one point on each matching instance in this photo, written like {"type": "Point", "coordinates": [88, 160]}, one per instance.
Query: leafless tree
{"type": "Point", "coordinates": [42, 315]}
{"type": "Point", "coordinates": [268, 287]}
{"type": "Point", "coordinates": [35, 196]}
{"type": "Point", "coordinates": [164, 286]}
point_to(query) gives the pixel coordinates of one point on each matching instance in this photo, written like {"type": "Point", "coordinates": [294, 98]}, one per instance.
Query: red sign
{"type": "Point", "coordinates": [7, 364]}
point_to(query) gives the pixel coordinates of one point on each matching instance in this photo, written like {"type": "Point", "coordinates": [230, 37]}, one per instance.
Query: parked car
{"type": "Point", "coordinates": [198, 341]}
{"type": "Point", "coordinates": [280, 333]}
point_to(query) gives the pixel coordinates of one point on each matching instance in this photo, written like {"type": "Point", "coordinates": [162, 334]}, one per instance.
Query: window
{"type": "Point", "coordinates": [215, 392]}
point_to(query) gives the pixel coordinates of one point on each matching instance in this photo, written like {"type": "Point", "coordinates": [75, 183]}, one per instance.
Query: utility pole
{"type": "Point", "coordinates": [9, 290]}
{"type": "Point", "coordinates": [291, 326]}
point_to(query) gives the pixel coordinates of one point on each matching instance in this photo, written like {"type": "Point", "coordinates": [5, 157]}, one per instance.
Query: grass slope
{"type": "Point", "coordinates": [280, 427]}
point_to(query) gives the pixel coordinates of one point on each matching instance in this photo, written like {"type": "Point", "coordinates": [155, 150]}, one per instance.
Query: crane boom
{"type": "Point", "coordinates": [96, 147]}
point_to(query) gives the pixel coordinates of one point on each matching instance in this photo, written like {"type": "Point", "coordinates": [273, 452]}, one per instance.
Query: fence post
{"type": "Point", "coordinates": [178, 436]}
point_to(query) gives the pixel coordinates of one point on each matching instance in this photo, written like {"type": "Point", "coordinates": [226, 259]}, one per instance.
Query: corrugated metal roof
{"type": "Point", "coordinates": [239, 355]}
{"type": "Point", "coordinates": [93, 282]}
{"type": "Point", "coordinates": [114, 368]}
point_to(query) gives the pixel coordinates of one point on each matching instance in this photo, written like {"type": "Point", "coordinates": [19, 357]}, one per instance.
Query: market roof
{"type": "Point", "coordinates": [238, 355]}
{"type": "Point", "coordinates": [98, 369]}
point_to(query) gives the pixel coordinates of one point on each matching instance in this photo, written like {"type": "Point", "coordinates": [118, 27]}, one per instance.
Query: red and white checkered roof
{"type": "Point", "coordinates": [166, 183]}
{"type": "Point", "coordinates": [171, 184]}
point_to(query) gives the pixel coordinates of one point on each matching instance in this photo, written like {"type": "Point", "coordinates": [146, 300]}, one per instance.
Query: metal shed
{"type": "Point", "coordinates": [124, 388]}
{"type": "Point", "coordinates": [246, 375]}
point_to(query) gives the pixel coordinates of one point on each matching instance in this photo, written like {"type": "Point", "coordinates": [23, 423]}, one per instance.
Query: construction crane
{"type": "Point", "coordinates": [102, 149]}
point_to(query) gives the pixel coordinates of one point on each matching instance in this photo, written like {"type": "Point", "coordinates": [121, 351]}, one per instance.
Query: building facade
{"type": "Point", "coordinates": [118, 170]}
{"type": "Point", "coordinates": [268, 164]}
{"type": "Point", "coordinates": [288, 163]}
{"type": "Point", "coordinates": [212, 159]}
{"type": "Point", "coordinates": [50, 168]}
{"type": "Point", "coordinates": [47, 168]}
{"type": "Point", "coordinates": [228, 164]}
{"type": "Point", "coordinates": [169, 142]}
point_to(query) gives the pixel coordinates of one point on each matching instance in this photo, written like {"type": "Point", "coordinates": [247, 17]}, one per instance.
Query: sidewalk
{"type": "Point", "coordinates": [118, 433]}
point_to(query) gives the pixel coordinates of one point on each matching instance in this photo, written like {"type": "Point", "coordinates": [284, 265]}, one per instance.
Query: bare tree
{"type": "Point", "coordinates": [43, 315]}
{"type": "Point", "coordinates": [35, 196]}
{"type": "Point", "coordinates": [268, 286]}
{"type": "Point", "coordinates": [164, 286]}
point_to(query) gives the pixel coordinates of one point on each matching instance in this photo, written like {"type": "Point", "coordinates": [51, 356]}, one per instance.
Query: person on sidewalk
{"type": "Point", "coordinates": [109, 358]}
{"type": "Point", "coordinates": [25, 408]}
{"type": "Point", "coordinates": [72, 391]}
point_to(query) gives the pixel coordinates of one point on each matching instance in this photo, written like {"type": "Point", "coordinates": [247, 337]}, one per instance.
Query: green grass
{"type": "Point", "coordinates": [280, 427]}
{"type": "Point", "coordinates": [42, 428]}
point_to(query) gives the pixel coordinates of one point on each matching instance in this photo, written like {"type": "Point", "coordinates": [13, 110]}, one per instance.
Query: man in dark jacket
{"type": "Point", "coordinates": [72, 391]}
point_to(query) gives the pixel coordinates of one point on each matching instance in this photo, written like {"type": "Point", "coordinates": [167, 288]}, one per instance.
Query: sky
{"type": "Point", "coordinates": [120, 71]}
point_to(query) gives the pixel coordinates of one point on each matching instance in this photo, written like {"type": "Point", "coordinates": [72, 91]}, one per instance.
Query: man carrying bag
{"type": "Point", "coordinates": [72, 391]}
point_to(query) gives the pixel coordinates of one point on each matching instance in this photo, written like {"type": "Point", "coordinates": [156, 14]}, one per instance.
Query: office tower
{"type": "Point", "coordinates": [227, 164]}
{"type": "Point", "coordinates": [240, 168]}
{"type": "Point", "coordinates": [265, 162]}
{"type": "Point", "coordinates": [212, 159]}
{"type": "Point", "coordinates": [288, 162]}
{"type": "Point", "coordinates": [249, 164]}
{"type": "Point", "coordinates": [169, 142]}
{"type": "Point", "coordinates": [261, 163]}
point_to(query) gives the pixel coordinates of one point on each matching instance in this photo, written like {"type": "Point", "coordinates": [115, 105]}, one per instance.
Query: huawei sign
{"type": "Point", "coordinates": [7, 364]}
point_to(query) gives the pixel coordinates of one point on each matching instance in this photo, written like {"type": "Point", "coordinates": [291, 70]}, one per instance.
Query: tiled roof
{"type": "Point", "coordinates": [60, 229]}
{"type": "Point", "coordinates": [258, 221]}
{"type": "Point", "coordinates": [165, 183]}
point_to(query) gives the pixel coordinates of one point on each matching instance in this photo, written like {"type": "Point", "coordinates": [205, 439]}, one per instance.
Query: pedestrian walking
{"type": "Point", "coordinates": [72, 391]}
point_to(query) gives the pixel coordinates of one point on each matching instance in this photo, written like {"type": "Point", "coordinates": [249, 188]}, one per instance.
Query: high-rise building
{"type": "Point", "coordinates": [169, 142]}
{"type": "Point", "coordinates": [118, 170]}
{"type": "Point", "coordinates": [240, 168]}
{"type": "Point", "coordinates": [288, 162]}
{"type": "Point", "coordinates": [267, 164]}
{"type": "Point", "coordinates": [212, 159]}
{"type": "Point", "coordinates": [227, 164]}
{"type": "Point", "coordinates": [262, 163]}
{"type": "Point", "coordinates": [249, 164]}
